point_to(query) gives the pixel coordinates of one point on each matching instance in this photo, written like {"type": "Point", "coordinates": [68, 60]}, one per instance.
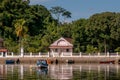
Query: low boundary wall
{"type": "Point", "coordinates": [31, 60]}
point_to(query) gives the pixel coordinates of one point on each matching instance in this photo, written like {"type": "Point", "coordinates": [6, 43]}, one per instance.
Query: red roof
{"type": "Point", "coordinates": [3, 50]}
{"type": "Point", "coordinates": [68, 39]}
{"type": "Point", "coordinates": [60, 47]}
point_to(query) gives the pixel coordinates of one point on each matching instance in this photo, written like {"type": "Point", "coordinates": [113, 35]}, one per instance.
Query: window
{"type": "Point", "coordinates": [67, 50]}
{"type": "Point", "coordinates": [62, 43]}
{"type": "Point", "coordinates": [56, 50]}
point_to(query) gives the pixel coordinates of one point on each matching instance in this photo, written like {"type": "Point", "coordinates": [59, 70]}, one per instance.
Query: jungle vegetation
{"type": "Point", "coordinates": [35, 28]}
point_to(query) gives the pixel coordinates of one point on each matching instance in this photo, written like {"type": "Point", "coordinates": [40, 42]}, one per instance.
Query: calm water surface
{"type": "Point", "coordinates": [60, 72]}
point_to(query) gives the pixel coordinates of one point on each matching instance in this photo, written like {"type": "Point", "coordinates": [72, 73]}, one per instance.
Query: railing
{"type": "Point", "coordinates": [63, 54]}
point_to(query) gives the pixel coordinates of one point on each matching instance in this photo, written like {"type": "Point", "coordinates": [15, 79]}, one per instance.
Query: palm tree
{"type": "Point", "coordinates": [21, 31]}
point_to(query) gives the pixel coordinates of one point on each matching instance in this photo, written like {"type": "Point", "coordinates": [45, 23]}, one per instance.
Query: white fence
{"type": "Point", "coordinates": [63, 54]}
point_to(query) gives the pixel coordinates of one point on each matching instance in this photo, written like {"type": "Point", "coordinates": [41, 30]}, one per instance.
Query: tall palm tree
{"type": "Point", "coordinates": [20, 30]}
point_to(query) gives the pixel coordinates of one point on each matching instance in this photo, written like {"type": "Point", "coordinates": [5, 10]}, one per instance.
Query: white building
{"type": "Point", "coordinates": [61, 47]}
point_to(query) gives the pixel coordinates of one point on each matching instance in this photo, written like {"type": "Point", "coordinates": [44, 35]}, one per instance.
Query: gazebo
{"type": "Point", "coordinates": [61, 47]}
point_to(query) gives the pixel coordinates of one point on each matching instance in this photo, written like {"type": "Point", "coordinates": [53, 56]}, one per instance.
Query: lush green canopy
{"type": "Point", "coordinates": [99, 33]}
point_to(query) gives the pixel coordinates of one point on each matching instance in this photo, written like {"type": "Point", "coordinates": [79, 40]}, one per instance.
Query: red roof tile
{"type": "Point", "coordinates": [3, 50]}
{"type": "Point", "coordinates": [68, 39]}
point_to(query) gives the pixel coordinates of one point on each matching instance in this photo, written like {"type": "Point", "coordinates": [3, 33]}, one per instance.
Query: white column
{"type": "Point", "coordinates": [62, 54]}
{"type": "Point", "coordinates": [117, 54]}
{"type": "Point", "coordinates": [12, 54]}
{"type": "Point", "coordinates": [22, 51]}
{"type": "Point", "coordinates": [5, 54]}
{"type": "Point", "coordinates": [2, 54]}
{"type": "Point", "coordinates": [39, 53]}
{"type": "Point", "coordinates": [30, 54]}
{"type": "Point", "coordinates": [98, 54]}
{"type": "Point", "coordinates": [80, 54]}
{"type": "Point", "coordinates": [107, 54]}
{"type": "Point", "coordinates": [71, 53]}
{"type": "Point", "coordinates": [48, 54]}
{"type": "Point", "coordinates": [89, 54]}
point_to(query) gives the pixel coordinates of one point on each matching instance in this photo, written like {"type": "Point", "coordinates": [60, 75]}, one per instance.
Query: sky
{"type": "Point", "coordinates": [81, 8]}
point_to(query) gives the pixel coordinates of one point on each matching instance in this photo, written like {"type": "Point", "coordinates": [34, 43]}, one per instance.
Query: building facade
{"type": "Point", "coordinates": [61, 47]}
{"type": "Point", "coordinates": [3, 50]}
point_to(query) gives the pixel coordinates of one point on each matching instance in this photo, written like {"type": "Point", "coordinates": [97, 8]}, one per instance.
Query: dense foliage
{"type": "Point", "coordinates": [36, 29]}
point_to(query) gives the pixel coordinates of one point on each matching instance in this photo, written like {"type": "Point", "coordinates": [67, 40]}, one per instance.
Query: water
{"type": "Point", "coordinates": [60, 72]}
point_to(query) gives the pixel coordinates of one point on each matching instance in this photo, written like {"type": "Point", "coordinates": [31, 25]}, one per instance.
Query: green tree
{"type": "Point", "coordinates": [78, 35]}
{"type": "Point", "coordinates": [117, 49]}
{"type": "Point", "coordinates": [35, 17]}
{"type": "Point", "coordinates": [98, 29]}
{"type": "Point", "coordinates": [20, 30]}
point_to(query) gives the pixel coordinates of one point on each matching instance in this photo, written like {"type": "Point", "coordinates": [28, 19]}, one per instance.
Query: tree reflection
{"type": "Point", "coordinates": [60, 72]}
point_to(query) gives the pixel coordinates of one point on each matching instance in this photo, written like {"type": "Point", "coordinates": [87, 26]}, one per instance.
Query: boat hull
{"type": "Point", "coordinates": [42, 64]}
{"type": "Point", "coordinates": [70, 61]}
{"type": "Point", "coordinates": [107, 62]}
{"type": "Point", "coordinates": [10, 62]}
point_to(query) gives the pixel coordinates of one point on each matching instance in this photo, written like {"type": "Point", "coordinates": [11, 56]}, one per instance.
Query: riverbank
{"type": "Point", "coordinates": [26, 60]}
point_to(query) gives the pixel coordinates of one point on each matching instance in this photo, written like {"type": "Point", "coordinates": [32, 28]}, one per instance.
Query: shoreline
{"type": "Point", "coordinates": [26, 60]}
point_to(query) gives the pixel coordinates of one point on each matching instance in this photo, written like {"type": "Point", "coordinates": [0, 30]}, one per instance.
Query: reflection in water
{"type": "Point", "coordinates": [21, 71]}
{"type": "Point", "coordinates": [60, 72]}
{"type": "Point", "coordinates": [42, 71]}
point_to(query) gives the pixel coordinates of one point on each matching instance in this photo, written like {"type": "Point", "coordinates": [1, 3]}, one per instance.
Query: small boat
{"type": "Point", "coordinates": [107, 62]}
{"type": "Point", "coordinates": [42, 64]}
{"type": "Point", "coordinates": [70, 61]}
{"type": "Point", "coordinates": [10, 61]}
